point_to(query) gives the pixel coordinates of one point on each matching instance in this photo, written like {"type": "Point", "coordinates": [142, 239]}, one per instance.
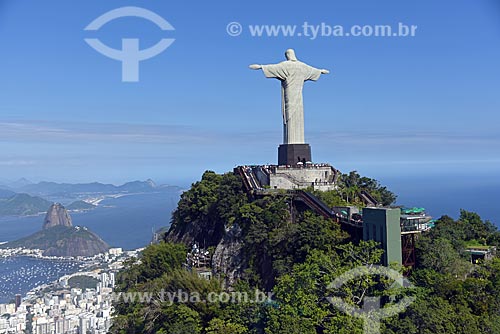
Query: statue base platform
{"type": "Point", "coordinates": [291, 154]}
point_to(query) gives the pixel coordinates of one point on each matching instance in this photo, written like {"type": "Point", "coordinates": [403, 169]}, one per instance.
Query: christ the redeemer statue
{"type": "Point", "coordinates": [292, 74]}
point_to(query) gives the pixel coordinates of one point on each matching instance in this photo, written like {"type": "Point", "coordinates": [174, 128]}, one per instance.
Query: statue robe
{"type": "Point", "coordinates": [292, 74]}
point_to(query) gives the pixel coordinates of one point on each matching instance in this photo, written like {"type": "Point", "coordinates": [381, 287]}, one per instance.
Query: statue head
{"type": "Point", "coordinates": [290, 55]}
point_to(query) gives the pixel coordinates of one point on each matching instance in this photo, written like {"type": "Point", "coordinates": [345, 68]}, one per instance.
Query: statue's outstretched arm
{"type": "Point", "coordinates": [255, 67]}
{"type": "Point", "coordinates": [323, 71]}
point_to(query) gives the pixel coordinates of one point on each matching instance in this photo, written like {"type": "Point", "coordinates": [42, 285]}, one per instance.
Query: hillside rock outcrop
{"type": "Point", "coordinates": [57, 215]}
{"type": "Point", "coordinates": [228, 260]}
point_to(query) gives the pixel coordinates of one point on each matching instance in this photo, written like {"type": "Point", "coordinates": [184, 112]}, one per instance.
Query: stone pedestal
{"type": "Point", "coordinates": [290, 154]}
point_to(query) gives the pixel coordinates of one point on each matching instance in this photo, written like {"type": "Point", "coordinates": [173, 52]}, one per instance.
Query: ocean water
{"type": "Point", "coordinates": [129, 221]}
{"type": "Point", "coordinates": [20, 274]}
{"type": "Point", "coordinates": [447, 194]}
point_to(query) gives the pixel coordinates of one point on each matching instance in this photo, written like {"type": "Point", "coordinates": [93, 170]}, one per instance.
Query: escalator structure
{"type": "Point", "coordinates": [367, 198]}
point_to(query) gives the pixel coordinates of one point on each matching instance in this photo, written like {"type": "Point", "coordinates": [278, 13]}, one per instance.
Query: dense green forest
{"type": "Point", "coordinates": [294, 256]}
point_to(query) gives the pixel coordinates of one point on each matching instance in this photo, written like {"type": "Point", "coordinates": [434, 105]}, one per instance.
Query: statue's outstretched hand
{"type": "Point", "coordinates": [255, 67]}
{"type": "Point", "coordinates": [324, 71]}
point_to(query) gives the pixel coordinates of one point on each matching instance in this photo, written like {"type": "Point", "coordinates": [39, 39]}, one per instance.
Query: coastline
{"type": "Point", "coordinates": [97, 200]}
{"type": "Point", "coordinates": [6, 253]}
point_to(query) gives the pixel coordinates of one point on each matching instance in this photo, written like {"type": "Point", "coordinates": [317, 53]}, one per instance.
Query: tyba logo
{"type": "Point", "coordinates": [130, 55]}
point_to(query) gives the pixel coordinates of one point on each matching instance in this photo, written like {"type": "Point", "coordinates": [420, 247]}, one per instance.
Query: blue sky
{"type": "Point", "coordinates": [391, 107]}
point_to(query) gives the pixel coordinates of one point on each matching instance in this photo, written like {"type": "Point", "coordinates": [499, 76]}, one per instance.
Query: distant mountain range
{"type": "Point", "coordinates": [61, 189]}
{"type": "Point", "coordinates": [14, 184]}
{"type": "Point", "coordinates": [22, 197]}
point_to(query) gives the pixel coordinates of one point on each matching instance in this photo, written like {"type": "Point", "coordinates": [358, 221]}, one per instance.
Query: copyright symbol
{"type": "Point", "coordinates": [234, 29]}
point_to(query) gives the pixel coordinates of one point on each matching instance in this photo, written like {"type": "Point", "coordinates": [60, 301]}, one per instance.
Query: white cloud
{"type": "Point", "coordinates": [17, 162]}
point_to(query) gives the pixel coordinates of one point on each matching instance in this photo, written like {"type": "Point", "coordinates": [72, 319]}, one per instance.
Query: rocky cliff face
{"type": "Point", "coordinates": [57, 215]}
{"type": "Point", "coordinates": [228, 260]}
{"type": "Point", "coordinates": [208, 233]}
{"type": "Point", "coordinates": [206, 215]}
